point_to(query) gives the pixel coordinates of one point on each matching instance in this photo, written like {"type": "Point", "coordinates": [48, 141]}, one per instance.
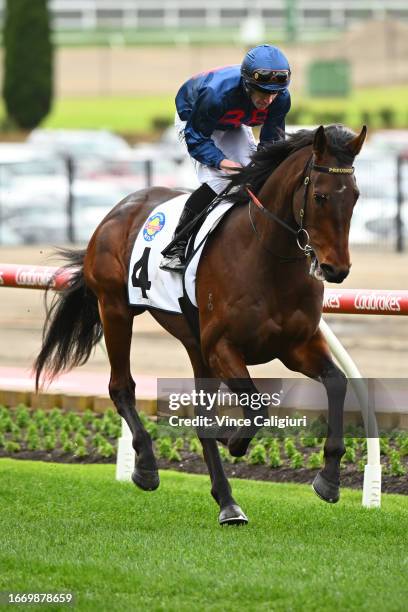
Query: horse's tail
{"type": "Point", "coordinates": [72, 326]}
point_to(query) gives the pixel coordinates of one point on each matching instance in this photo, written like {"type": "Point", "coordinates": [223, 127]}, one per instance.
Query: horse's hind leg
{"type": "Point", "coordinates": [230, 511]}
{"type": "Point", "coordinates": [117, 326]}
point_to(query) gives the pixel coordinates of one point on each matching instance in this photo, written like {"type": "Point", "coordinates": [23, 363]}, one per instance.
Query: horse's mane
{"type": "Point", "coordinates": [266, 160]}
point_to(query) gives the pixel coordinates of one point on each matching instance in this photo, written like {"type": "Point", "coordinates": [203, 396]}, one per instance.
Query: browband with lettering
{"type": "Point", "coordinates": [330, 170]}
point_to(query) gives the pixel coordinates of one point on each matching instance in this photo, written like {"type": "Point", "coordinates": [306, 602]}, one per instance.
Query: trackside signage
{"type": "Point", "coordinates": [345, 301]}
{"type": "Point", "coordinates": [32, 277]}
{"type": "Point", "coordinates": [377, 302]}
{"type": "Point", "coordinates": [331, 302]}
{"type": "Point", "coordinates": [357, 301]}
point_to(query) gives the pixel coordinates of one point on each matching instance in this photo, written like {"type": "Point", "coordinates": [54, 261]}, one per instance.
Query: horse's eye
{"type": "Point", "coordinates": [320, 198]}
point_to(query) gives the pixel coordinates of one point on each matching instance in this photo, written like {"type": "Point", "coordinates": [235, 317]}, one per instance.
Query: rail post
{"type": "Point", "coordinates": [372, 471]}
{"type": "Point", "coordinates": [402, 157]}
{"type": "Point", "coordinates": [70, 165]}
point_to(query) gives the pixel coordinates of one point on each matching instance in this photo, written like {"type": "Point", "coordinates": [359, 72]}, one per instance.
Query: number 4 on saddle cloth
{"type": "Point", "coordinates": [148, 285]}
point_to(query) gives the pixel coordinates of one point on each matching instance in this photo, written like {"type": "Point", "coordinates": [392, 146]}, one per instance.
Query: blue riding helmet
{"type": "Point", "coordinates": [266, 68]}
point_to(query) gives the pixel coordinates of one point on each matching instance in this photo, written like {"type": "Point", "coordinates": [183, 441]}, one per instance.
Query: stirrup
{"type": "Point", "coordinates": [173, 263]}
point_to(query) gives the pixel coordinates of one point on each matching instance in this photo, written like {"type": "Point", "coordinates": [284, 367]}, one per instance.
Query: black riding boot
{"type": "Point", "coordinates": [174, 259]}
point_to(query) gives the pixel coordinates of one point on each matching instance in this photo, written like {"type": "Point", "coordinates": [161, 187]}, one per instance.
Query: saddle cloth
{"type": "Point", "coordinates": [150, 287]}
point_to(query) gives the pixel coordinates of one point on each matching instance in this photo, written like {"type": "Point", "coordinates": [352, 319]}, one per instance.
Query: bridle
{"type": "Point", "coordinates": [301, 234]}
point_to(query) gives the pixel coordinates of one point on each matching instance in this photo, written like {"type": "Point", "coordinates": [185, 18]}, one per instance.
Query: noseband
{"type": "Point", "coordinates": [302, 235]}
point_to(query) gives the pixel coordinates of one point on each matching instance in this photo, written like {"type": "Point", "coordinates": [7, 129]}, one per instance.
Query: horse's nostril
{"type": "Point", "coordinates": [328, 269]}
{"type": "Point", "coordinates": [333, 274]}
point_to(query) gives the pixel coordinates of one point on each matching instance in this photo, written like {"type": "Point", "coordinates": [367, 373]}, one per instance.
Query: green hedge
{"type": "Point", "coordinates": [27, 87]}
{"type": "Point", "coordinates": [305, 114]}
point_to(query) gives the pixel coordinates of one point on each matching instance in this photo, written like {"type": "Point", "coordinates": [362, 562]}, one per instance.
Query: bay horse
{"type": "Point", "coordinates": [259, 297]}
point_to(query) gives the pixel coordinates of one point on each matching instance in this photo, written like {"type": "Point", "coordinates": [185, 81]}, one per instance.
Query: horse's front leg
{"type": "Point", "coordinates": [314, 360]}
{"type": "Point", "coordinates": [227, 363]}
{"type": "Point", "coordinates": [327, 482]}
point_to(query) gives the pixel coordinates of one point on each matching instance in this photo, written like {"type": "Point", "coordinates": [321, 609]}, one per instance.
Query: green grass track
{"type": "Point", "coordinates": [74, 528]}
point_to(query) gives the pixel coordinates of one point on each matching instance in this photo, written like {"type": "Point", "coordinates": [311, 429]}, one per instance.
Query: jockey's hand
{"type": "Point", "coordinates": [229, 166]}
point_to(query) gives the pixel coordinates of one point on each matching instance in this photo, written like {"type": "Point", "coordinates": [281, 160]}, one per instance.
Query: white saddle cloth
{"type": "Point", "coordinates": [151, 287]}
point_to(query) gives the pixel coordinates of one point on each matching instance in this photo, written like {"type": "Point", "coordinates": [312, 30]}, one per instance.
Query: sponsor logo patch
{"type": "Point", "coordinates": [153, 226]}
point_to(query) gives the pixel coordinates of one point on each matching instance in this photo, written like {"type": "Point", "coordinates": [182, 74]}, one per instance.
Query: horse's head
{"type": "Point", "coordinates": [329, 195]}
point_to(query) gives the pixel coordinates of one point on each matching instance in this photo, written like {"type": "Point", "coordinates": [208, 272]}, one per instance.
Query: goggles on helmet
{"type": "Point", "coordinates": [265, 76]}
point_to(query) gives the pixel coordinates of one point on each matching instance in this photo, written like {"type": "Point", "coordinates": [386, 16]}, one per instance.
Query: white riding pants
{"type": "Point", "coordinates": [237, 144]}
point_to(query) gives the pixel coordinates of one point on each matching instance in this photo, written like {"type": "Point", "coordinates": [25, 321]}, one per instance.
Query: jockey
{"type": "Point", "coordinates": [215, 114]}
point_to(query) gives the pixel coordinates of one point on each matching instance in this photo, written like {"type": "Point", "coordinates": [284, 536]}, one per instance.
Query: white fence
{"type": "Point", "coordinates": [128, 14]}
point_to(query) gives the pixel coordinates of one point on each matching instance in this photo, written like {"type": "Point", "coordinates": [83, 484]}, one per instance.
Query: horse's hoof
{"type": "Point", "coordinates": [232, 515]}
{"type": "Point", "coordinates": [147, 480]}
{"type": "Point", "coordinates": [327, 491]}
{"type": "Point", "coordinates": [238, 447]}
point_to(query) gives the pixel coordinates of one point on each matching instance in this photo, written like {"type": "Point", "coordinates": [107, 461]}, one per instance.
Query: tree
{"type": "Point", "coordinates": [28, 62]}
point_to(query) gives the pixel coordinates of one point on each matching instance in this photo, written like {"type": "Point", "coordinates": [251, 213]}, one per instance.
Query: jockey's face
{"type": "Point", "coordinates": [262, 99]}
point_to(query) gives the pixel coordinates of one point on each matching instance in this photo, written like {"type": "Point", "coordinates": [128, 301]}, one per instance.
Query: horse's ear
{"type": "Point", "coordinates": [319, 142]}
{"type": "Point", "coordinates": [354, 146]}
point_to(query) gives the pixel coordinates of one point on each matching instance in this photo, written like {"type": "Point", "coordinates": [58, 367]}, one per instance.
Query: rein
{"type": "Point", "coordinates": [301, 233]}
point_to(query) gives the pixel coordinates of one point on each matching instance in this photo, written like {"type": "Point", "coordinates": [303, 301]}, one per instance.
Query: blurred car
{"type": "Point", "coordinates": [390, 141]}
{"type": "Point", "coordinates": [9, 237]}
{"type": "Point", "coordinates": [28, 176]}
{"type": "Point", "coordinates": [34, 188]}
{"type": "Point", "coordinates": [36, 224]}
{"type": "Point", "coordinates": [92, 202]}
{"type": "Point", "coordinates": [374, 222]}
{"type": "Point", "coordinates": [46, 220]}
{"type": "Point", "coordinates": [79, 144]}
{"type": "Point", "coordinates": [374, 217]}
{"type": "Point", "coordinates": [30, 169]}
{"type": "Point", "coordinates": [376, 174]}
{"type": "Point", "coordinates": [22, 152]}
{"type": "Point", "coordinates": [134, 169]}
